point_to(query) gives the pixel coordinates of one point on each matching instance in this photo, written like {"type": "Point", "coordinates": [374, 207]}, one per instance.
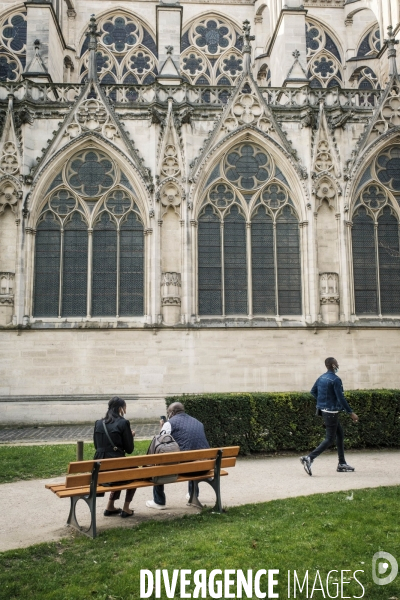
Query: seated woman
{"type": "Point", "coordinates": [113, 438]}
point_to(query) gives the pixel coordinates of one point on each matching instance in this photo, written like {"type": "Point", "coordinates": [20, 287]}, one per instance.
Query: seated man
{"type": "Point", "coordinates": [189, 434]}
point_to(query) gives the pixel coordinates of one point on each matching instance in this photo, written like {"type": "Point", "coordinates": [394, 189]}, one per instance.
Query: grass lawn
{"type": "Point", "coordinates": [32, 462]}
{"type": "Point", "coordinates": [321, 532]}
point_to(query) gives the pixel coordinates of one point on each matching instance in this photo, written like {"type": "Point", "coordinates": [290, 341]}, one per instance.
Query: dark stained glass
{"type": "Point", "coordinates": [47, 267]}
{"type": "Point", "coordinates": [288, 261]}
{"type": "Point", "coordinates": [364, 48]}
{"type": "Point", "coordinates": [331, 47]}
{"type": "Point", "coordinates": [104, 280]}
{"type": "Point", "coordinates": [75, 268]}
{"type": "Point", "coordinates": [90, 173]}
{"type": "Point", "coordinates": [131, 283]}
{"type": "Point", "coordinates": [389, 263]}
{"type": "Point", "coordinates": [212, 37]}
{"type": "Point", "coordinates": [388, 168]}
{"type": "Point", "coordinates": [119, 33]}
{"type": "Point", "coordinates": [8, 68]}
{"type": "Point", "coordinates": [209, 264]}
{"type": "Point", "coordinates": [262, 263]}
{"type": "Point", "coordinates": [16, 32]}
{"type": "Point", "coordinates": [235, 265]}
{"type": "Point", "coordinates": [364, 263]}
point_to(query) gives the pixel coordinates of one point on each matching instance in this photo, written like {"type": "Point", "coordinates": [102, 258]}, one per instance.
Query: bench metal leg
{"type": "Point", "coordinates": [215, 482]}
{"type": "Point", "coordinates": [90, 500]}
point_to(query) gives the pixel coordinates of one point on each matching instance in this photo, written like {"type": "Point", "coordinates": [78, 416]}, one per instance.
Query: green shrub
{"type": "Point", "coordinates": [286, 421]}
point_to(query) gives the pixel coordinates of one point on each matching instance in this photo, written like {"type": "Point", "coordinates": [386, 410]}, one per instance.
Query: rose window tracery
{"type": "Point", "coordinates": [247, 166]}
{"type": "Point", "coordinates": [118, 202]}
{"type": "Point", "coordinates": [388, 168]}
{"type": "Point", "coordinates": [62, 202]}
{"type": "Point", "coordinates": [119, 33]}
{"type": "Point", "coordinates": [373, 197]}
{"type": "Point", "coordinates": [91, 173]}
{"type": "Point", "coordinates": [212, 35]}
{"type": "Point", "coordinates": [192, 63]}
{"type": "Point", "coordinates": [221, 195]}
{"type": "Point", "coordinates": [274, 196]}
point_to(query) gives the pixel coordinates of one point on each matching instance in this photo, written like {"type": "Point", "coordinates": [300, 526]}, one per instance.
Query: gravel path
{"type": "Point", "coordinates": [34, 514]}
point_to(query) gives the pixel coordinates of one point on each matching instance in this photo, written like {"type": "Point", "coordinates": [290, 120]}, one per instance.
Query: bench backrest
{"type": "Point", "coordinates": [132, 468]}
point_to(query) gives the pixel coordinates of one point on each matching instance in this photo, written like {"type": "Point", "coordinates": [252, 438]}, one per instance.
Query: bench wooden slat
{"type": "Point", "coordinates": [83, 491]}
{"type": "Point", "coordinates": [73, 481]}
{"type": "Point", "coordinates": [149, 459]}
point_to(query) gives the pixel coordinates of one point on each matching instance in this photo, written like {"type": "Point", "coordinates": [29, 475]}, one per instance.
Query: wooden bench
{"type": "Point", "coordinates": [87, 478]}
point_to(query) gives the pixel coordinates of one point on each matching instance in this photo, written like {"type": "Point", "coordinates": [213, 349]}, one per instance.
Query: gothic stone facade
{"type": "Point", "coordinates": [198, 196]}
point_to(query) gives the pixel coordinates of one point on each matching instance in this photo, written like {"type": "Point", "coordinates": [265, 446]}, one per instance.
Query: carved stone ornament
{"type": "Point", "coordinates": [171, 288]}
{"type": "Point", "coordinates": [92, 115]}
{"type": "Point", "coordinates": [170, 197]}
{"type": "Point", "coordinates": [325, 190]}
{"type": "Point", "coordinates": [245, 111]}
{"type": "Point", "coordinates": [389, 115]}
{"type": "Point", "coordinates": [7, 288]}
{"type": "Point", "coordinates": [323, 161]}
{"type": "Point", "coordinates": [8, 196]}
{"type": "Point", "coordinates": [9, 159]}
{"type": "Point", "coordinates": [329, 288]}
{"type": "Point", "coordinates": [170, 165]}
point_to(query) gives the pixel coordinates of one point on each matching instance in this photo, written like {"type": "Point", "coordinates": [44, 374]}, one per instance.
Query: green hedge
{"type": "Point", "coordinates": [286, 421]}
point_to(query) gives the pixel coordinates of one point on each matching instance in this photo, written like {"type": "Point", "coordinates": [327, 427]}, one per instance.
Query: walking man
{"type": "Point", "coordinates": [328, 392]}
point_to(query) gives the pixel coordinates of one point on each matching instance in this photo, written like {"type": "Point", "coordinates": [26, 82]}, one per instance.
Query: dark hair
{"type": "Point", "coordinates": [329, 362]}
{"type": "Point", "coordinates": [114, 406]}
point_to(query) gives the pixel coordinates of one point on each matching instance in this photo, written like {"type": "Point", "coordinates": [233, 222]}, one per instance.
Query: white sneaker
{"type": "Point", "coordinates": [188, 496]}
{"type": "Point", "coordinates": [152, 504]}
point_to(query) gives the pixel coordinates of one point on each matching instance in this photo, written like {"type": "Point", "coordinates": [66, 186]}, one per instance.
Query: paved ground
{"type": "Point", "coordinates": [65, 433]}
{"type": "Point", "coordinates": [32, 514]}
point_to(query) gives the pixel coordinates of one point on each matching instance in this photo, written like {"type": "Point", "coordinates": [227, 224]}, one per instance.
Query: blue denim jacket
{"type": "Point", "coordinates": [328, 392]}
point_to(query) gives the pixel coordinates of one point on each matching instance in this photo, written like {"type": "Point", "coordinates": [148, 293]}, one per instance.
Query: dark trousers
{"type": "Point", "coordinates": [333, 430]}
{"type": "Point", "coordinates": [128, 495]}
{"type": "Point", "coordinates": [159, 494]}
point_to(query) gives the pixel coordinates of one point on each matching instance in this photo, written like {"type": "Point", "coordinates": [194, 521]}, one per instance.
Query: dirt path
{"type": "Point", "coordinates": [32, 514]}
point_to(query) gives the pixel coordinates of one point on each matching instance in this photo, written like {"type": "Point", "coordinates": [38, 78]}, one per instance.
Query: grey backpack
{"type": "Point", "coordinates": [160, 444]}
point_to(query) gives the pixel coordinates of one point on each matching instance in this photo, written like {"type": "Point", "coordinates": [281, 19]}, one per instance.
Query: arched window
{"type": "Point", "coordinates": [89, 193]}
{"type": "Point", "coordinates": [248, 239]}
{"type": "Point", "coordinates": [323, 57]}
{"type": "Point", "coordinates": [126, 53]}
{"type": "Point", "coordinates": [13, 46]}
{"type": "Point", "coordinates": [370, 44]}
{"type": "Point", "coordinates": [375, 236]}
{"type": "Point", "coordinates": [211, 52]}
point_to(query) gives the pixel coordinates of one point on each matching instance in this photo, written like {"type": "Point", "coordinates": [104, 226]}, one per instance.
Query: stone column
{"type": "Point", "coordinates": [329, 297]}
{"type": "Point", "coordinates": [171, 297]}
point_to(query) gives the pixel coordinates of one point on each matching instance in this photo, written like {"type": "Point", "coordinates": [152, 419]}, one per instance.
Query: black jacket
{"type": "Point", "coordinates": [121, 435]}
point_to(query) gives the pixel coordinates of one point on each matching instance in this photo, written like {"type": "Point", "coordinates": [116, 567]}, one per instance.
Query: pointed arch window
{"type": "Point", "coordinates": [248, 239]}
{"type": "Point", "coordinates": [211, 52]}
{"type": "Point", "coordinates": [98, 232]}
{"type": "Point", "coordinates": [127, 51]}
{"type": "Point", "coordinates": [323, 57]}
{"type": "Point", "coordinates": [376, 237]}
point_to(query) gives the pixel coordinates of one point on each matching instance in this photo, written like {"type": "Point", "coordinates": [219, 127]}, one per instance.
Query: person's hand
{"type": "Point", "coordinates": [133, 432]}
{"type": "Point", "coordinates": [354, 417]}
{"type": "Point", "coordinates": [162, 423]}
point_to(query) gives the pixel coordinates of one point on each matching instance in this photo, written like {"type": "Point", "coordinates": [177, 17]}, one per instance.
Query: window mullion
{"type": "Point", "coordinates": [223, 268]}
{"type": "Point", "coordinates": [118, 267]}
{"type": "Point", "coordinates": [61, 272]}
{"type": "Point", "coordinates": [90, 271]}
{"type": "Point", "coordinates": [249, 272]}
{"type": "Point", "coordinates": [276, 270]}
{"type": "Point", "coordinates": [378, 282]}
